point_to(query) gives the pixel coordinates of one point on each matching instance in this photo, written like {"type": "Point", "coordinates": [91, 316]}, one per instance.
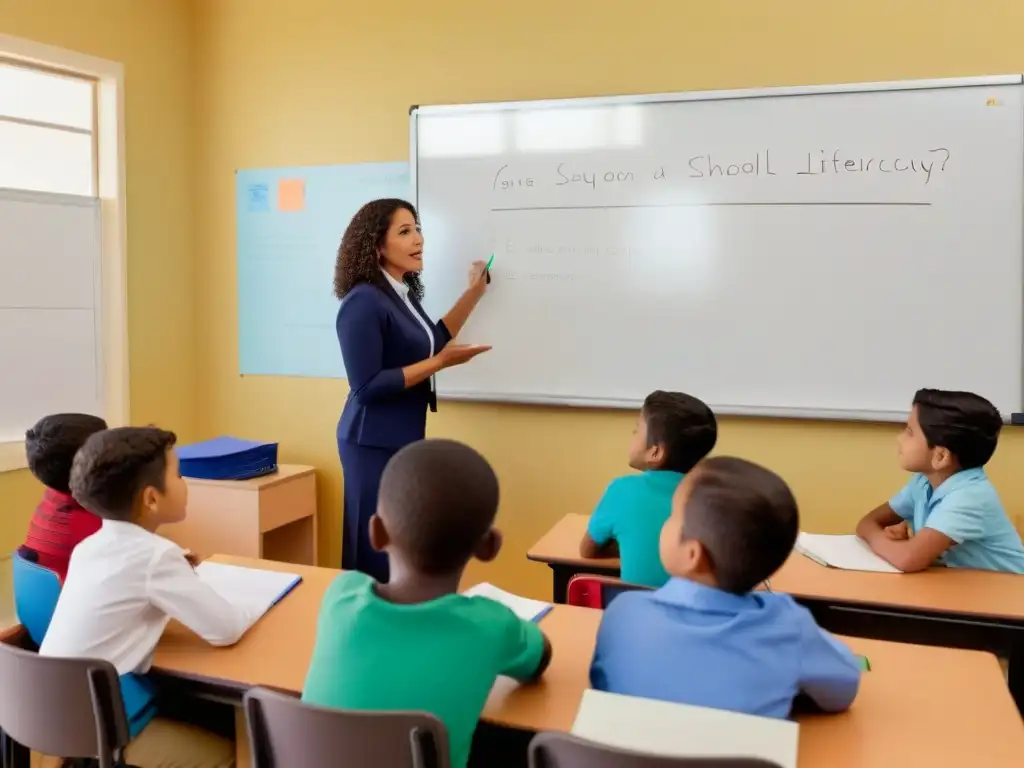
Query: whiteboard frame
{"type": "Point", "coordinates": [690, 96]}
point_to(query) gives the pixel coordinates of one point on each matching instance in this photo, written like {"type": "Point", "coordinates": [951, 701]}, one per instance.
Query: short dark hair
{"type": "Point", "coordinates": [683, 425]}
{"type": "Point", "coordinates": [745, 516]}
{"type": "Point", "coordinates": [438, 499]}
{"type": "Point", "coordinates": [358, 260]}
{"type": "Point", "coordinates": [965, 424]}
{"type": "Point", "coordinates": [115, 466]}
{"type": "Point", "coordinates": [52, 443]}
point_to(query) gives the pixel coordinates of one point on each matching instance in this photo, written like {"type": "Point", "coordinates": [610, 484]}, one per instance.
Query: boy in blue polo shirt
{"type": "Point", "coordinates": [949, 511]}
{"type": "Point", "coordinates": [673, 432]}
{"type": "Point", "coordinates": [706, 638]}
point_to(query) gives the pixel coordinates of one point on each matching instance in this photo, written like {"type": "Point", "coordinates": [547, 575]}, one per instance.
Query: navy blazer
{"type": "Point", "coordinates": [379, 336]}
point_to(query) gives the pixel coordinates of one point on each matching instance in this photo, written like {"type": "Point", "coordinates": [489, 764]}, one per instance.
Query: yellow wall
{"type": "Point", "coordinates": [154, 40]}
{"type": "Point", "coordinates": [318, 81]}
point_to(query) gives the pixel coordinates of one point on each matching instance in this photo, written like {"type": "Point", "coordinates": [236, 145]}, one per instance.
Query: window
{"type": "Point", "coordinates": [63, 341]}
{"type": "Point", "coordinates": [47, 131]}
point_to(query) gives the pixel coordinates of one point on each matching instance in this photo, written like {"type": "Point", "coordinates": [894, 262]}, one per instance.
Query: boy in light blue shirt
{"type": "Point", "coordinates": [949, 512]}
{"type": "Point", "coordinates": [673, 432]}
{"type": "Point", "coordinates": [706, 638]}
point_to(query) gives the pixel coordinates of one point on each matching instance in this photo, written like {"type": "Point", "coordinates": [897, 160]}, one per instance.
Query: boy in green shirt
{"type": "Point", "coordinates": [674, 431]}
{"type": "Point", "coordinates": [415, 643]}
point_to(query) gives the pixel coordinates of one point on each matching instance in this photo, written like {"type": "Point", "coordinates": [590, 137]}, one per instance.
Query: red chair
{"type": "Point", "coordinates": [587, 591]}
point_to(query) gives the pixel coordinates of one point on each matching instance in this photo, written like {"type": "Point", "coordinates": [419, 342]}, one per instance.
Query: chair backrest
{"type": "Point", "coordinates": [36, 590]}
{"type": "Point", "coordinates": [560, 750]}
{"type": "Point", "coordinates": [587, 591]}
{"type": "Point", "coordinates": [69, 708]}
{"type": "Point", "coordinates": [286, 732]}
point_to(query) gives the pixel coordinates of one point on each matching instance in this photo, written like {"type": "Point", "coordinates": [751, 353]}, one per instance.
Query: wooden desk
{"type": "Point", "coordinates": [271, 517]}
{"type": "Point", "coordinates": [948, 607]}
{"type": "Point", "coordinates": [559, 549]}
{"type": "Point", "coordinates": [918, 705]}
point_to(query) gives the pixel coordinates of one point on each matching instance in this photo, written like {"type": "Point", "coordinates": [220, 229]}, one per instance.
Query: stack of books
{"type": "Point", "coordinates": [227, 458]}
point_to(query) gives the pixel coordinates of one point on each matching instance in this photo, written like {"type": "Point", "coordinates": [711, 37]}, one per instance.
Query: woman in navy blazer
{"type": "Point", "coordinates": [391, 351]}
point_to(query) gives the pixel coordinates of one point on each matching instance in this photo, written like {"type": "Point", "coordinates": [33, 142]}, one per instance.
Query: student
{"type": "Point", "coordinates": [673, 432]}
{"type": "Point", "coordinates": [59, 522]}
{"type": "Point", "coordinates": [125, 583]}
{"type": "Point", "coordinates": [949, 511]}
{"type": "Point", "coordinates": [707, 639]}
{"type": "Point", "coordinates": [414, 643]}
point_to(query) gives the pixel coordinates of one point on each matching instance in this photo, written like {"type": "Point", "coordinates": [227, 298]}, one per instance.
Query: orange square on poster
{"type": "Point", "coordinates": [291, 195]}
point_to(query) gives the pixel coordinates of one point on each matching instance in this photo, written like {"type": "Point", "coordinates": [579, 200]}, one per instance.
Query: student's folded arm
{"type": "Point", "coordinates": [361, 337]}
{"type": "Point", "coordinates": [910, 555]}
{"type": "Point", "coordinates": [177, 590]}
{"type": "Point", "coordinates": [948, 525]}
{"type": "Point", "coordinates": [599, 540]}
{"type": "Point", "coordinates": [526, 649]}
{"type": "Point", "coordinates": [829, 673]}
{"type": "Point", "coordinates": [876, 520]}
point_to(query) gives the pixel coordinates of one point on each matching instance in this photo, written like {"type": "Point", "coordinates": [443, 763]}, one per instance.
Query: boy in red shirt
{"type": "Point", "coordinates": [59, 522]}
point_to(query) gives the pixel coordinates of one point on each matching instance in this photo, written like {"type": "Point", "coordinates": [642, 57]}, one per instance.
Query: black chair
{"type": "Point", "coordinates": [70, 708]}
{"type": "Point", "coordinates": [284, 732]}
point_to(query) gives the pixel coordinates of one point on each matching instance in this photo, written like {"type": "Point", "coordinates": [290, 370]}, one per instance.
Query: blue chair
{"type": "Point", "coordinates": [36, 590]}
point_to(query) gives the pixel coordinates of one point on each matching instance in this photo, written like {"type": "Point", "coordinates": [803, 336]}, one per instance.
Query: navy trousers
{"type": "Point", "coordinates": [362, 467]}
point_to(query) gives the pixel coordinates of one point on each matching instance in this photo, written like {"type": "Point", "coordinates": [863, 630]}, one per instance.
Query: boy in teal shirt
{"type": "Point", "coordinates": [949, 512]}
{"type": "Point", "coordinates": [673, 433]}
{"type": "Point", "coordinates": [415, 644]}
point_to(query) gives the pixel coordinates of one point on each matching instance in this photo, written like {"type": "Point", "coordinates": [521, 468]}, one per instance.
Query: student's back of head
{"type": "Point", "coordinates": [965, 424]}
{"type": "Point", "coordinates": [436, 507]}
{"type": "Point", "coordinates": [674, 432]}
{"type": "Point", "coordinates": [51, 445]}
{"type": "Point", "coordinates": [128, 473]}
{"type": "Point", "coordinates": [733, 524]}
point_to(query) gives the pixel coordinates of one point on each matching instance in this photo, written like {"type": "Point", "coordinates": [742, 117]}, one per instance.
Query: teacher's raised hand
{"type": "Point", "coordinates": [478, 277]}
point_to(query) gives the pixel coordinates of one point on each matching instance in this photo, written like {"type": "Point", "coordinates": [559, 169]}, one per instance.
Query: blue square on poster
{"type": "Point", "coordinates": [286, 255]}
{"type": "Point", "coordinates": [259, 198]}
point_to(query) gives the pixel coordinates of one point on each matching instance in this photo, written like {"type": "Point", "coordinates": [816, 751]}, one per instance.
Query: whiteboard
{"type": "Point", "coordinates": [49, 308]}
{"type": "Point", "coordinates": [815, 252]}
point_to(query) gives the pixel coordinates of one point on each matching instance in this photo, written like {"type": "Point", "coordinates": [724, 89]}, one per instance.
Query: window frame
{"type": "Point", "coordinates": [108, 159]}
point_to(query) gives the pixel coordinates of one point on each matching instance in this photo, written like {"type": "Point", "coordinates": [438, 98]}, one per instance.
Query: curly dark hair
{"type": "Point", "coordinates": [359, 253]}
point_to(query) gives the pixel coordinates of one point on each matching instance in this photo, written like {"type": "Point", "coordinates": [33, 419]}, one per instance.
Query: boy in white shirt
{"type": "Point", "coordinates": [125, 583]}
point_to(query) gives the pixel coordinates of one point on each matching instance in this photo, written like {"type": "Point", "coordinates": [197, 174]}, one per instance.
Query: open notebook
{"type": "Point", "coordinates": [848, 553]}
{"type": "Point", "coordinates": [252, 588]}
{"type": "Point", "coordinates": [523, 607]}
{"type": "Point", "coordinates": [681, 730]}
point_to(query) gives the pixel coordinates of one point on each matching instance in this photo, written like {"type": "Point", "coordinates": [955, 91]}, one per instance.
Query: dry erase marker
{"type": "Point", "coordinates": [487, 269]}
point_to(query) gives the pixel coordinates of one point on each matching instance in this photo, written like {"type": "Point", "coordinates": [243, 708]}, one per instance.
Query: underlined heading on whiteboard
{"type": "Point", "coordinates": [706, 205]}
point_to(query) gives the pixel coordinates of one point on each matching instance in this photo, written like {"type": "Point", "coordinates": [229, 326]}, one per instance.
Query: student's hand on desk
{"type": "Point", "coordinates": [898, 532]}
{"type": "Point", "coordinates": [457, 354]}
{"type": "Point", "coordinates": [192, 558]}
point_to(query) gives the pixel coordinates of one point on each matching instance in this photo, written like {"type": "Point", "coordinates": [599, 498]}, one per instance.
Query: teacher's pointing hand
{"type": "Point", "coordinates": [457, 354]}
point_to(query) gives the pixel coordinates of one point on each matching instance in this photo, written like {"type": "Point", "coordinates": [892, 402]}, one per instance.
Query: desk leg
{"type": "Point", "coordinates": [560, 574]}
{"type": "Point", "coordinates": [1015, 674]}
{"type": "Point", "coordinates": [243, 757]}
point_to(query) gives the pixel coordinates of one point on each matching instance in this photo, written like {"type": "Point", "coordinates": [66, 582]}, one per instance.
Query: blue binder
{"type": "Point", "coordinates": [227, 458]}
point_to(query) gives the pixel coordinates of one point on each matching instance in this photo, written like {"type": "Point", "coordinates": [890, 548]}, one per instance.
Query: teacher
{"type": "Point", "coordinates": [391, 351]}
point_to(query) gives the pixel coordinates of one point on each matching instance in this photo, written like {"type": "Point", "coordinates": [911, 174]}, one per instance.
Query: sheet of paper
{"type": "Point", "coordinates": [680, 730]}
{"type": "Point", "coordinates": [523, 607]}
{"type": "Point", "coordinates": [250, 587]}
{"type": "Point", "coordinates": [849, 553]}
